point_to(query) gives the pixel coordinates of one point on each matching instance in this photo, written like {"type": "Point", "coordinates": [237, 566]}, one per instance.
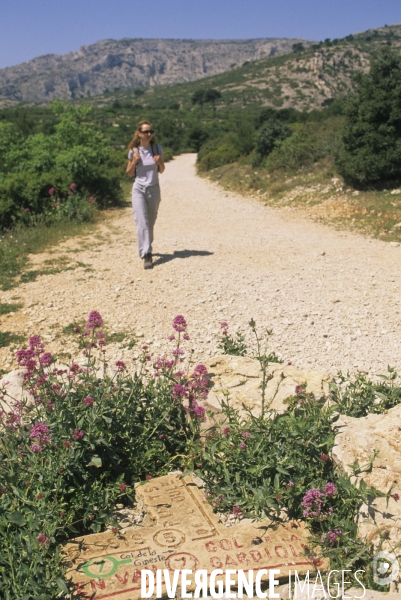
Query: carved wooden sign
{"type": "Point", "coordinates": [184, 533]}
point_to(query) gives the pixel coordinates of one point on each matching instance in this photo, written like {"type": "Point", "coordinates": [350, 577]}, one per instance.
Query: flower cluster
{"type": "Point", "coordinates": [179, 324]}
{"type": "Point", "coordinates": [314, 501]}
{"type": "Point", "coordinates": [94, 320]}
{"type": "Point", "coordinates": [332, 536]}
{"type": "Point", "coordinates": [41, 434]}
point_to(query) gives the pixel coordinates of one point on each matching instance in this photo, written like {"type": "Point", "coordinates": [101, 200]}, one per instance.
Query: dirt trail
{"type": "Point", "coordinates": [332, 299]}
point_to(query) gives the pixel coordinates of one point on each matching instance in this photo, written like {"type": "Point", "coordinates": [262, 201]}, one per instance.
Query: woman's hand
{"type": "Point", "coordinates": [159, 162]}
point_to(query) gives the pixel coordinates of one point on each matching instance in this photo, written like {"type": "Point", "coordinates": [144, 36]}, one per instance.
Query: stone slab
{"type": "Point", "coordinates": [180, 532]}
{"type": "Point", "coordinates": [12, 385]}
{"type": "Point", "coordinates": [358, 440]}
{"type": "Point", "coordinates": [241, 378]}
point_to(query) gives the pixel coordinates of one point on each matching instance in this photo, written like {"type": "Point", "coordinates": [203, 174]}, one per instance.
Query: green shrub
{"type": "Point", "coordinates": [358, 396]}
{"type": "Point", "coordinates": [168, 154]}
{"type": "Point", "coordinates": [309, 143]}
{"type": "Point", "coordinates": [219, 152]}
{"type": "Point", "coordinates": [76, 152]}
{"type": "Point", "coordinates": [230, 344]}
{"type": "Point", "coordinates": [272, 132]}
{"type": "Point", "coordinates": [372, 130]}
{"type": "Point", "coordinates": [81, 446]}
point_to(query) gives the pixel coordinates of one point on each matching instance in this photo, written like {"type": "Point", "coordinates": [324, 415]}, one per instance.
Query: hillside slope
{"type": "Point", "coordinates": [306, 79]}
{"type": "Point", "coordinates": [130, 63]}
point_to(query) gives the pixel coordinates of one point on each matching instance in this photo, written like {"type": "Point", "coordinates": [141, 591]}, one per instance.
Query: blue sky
{"type": "Point", "coordinates": [35, 27]}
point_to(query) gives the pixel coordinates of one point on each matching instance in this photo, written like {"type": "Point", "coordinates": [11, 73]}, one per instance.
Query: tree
{"type": "Point", "coordinates": [371, 151]}
{"type": "Point", "coordinates": [272, 132]}
{"type": "Point", "coordinates": [205, 96]}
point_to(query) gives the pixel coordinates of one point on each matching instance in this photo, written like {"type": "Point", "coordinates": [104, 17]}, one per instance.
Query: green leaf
{"type": "Point", "coordinates": [96, 461]}
{"type": "Point", "coordinates": [16, 518]}
{"type": "Point", "coordinates": [62, 586]}
{"type": "Point", "coordinates": [283, 471]}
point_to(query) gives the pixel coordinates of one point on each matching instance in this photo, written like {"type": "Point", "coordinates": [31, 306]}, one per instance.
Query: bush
{"type": "Point", "coordinates": [372, 130]}
{"type": "Point", "coordinates": [219, 152]}
{"type": "Point", "coordinates": [86, 440]}
{"type": "Point", "coordinates": [269, 135]}
{"type": "Point", "coordinates": [309, 143]}
{"type": "Point", "coordinates": [77, 152]}
{"type": "Point", "coordinates": [359, 397]}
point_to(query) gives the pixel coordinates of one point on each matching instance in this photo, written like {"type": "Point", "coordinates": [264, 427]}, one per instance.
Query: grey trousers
{"type": "Point", "coordinates": [145, 204]}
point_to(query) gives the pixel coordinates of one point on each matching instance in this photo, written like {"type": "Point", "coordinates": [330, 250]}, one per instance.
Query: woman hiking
{"type": "Point", "coordinates": [145, 162]}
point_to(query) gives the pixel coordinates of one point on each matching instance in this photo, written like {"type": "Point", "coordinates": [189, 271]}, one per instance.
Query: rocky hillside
{"type": "Point", "coordinates": [310, 77]}
{"type": "Point", "coordinates": [122, 64]}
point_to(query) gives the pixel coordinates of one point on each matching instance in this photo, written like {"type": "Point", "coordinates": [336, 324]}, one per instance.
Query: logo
{"type": "Point", "coordinates": [385, 568]}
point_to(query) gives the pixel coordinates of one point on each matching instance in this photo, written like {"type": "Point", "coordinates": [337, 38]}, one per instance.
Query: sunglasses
{"type": "Point", "coordinates": [150, 131]}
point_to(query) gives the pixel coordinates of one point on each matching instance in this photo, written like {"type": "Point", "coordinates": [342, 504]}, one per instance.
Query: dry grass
{"type": "Point", "coordinates": [321, 195]}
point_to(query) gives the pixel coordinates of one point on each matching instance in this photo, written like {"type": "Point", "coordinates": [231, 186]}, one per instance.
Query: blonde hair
{"type": "Point", "coordinates": [136, 140]}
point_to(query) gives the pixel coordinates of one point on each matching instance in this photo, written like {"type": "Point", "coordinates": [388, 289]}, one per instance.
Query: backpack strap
{"type": "Point", "coordinates": [152, 147]}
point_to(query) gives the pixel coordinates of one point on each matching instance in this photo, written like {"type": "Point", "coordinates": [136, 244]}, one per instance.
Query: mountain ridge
{"type": "Point", "coordinates": [110, 64]}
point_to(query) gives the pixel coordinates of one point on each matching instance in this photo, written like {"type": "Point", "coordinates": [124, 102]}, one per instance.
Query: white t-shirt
{"type": "Point", "coordinates": [146, 168]}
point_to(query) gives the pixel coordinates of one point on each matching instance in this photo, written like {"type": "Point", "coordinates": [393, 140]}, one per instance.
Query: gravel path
{"type": "Point", "coordinates": [331, 298]}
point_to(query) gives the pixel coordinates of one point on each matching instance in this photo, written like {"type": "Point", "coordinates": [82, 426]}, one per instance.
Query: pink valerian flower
{"type": "Point", "coordinates": [179, 391]}
{"type": "Point", "coordinates": [73, 187]}
{"type": "Point", "coordinates": [332, 536]}
{"type": "Point", "coordinates": [330, 489]}
{"type": "Point", "coordinates": [241, 446]}
{"type": "Point", "coordinates": [91, 199]}
{"type": "Point", "coordinates": [179, 323]}
{"type": "Point", "coordinates": [35, 342]}
{"type": "Point", "coordinates": [186, 337]}
{"type": "Point", "coordinates": [36, 448]}
{"type": "Point", "coordinates": [46, 359]}
{"type": "Point", "coordinates": [52, 191]}
{"type": "Point", "coordinates": [324, 457]}
{"type": "Point", "coordinates": [94, 320]}
{"type": "Point", "coordinates": [224, 325]}
{"type": "Point", "coordinates": [74, 368]}
{"type": "Point", "coordinates": [197, 411]}
{"type": "Point", "coordinates": [246, 434]}
{"type": "Point", "coordinates": [27, 210]}
{"type": "Point", "coordinates": [123, 487]}
{"type": "Point", "coordinates": [395, 497]}
{"type": "Point", "coordinates": [67, 444]}
{"type": "Point", "coordinates": [226, 431]}
{"type": "Point", "coordinates": [291, 484]}
{"type": "Point", "coordinates": [88, 401]}
{"type": "Point", "coordinates": [171, 337]}
{"type": "Point", "coordinates": [236, 511]}
{"type": "Point", "coordinates": [77, 434]}
{"type": "Point", "coordinates": [40, 432]}
{"type": "Point", "coordinates": [148, 477]}
{"type": "Point", "coordinates": [200, 371]}
{"type": "Point", "coordinates": [300, 389]}
{"type": "Point", "coordinates": [13, 419]}
{"type": "Point", "coordinates": [43, 539]}
{"type": "Point", "coordinates": [178, 352]}
{"type": "Point", "coordinates": [121, 365]}
{"type": "Point", "coordinates": [313, 503]}
{"type": "Point", "coordinates": [25, 356]}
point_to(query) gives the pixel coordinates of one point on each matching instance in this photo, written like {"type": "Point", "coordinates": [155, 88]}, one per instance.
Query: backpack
{"type": "Point", "coordinates": [131, 168]}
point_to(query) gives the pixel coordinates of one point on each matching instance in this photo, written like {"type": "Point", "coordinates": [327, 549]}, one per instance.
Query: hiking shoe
{"type": "Point", "coordinates": [147, 261]}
